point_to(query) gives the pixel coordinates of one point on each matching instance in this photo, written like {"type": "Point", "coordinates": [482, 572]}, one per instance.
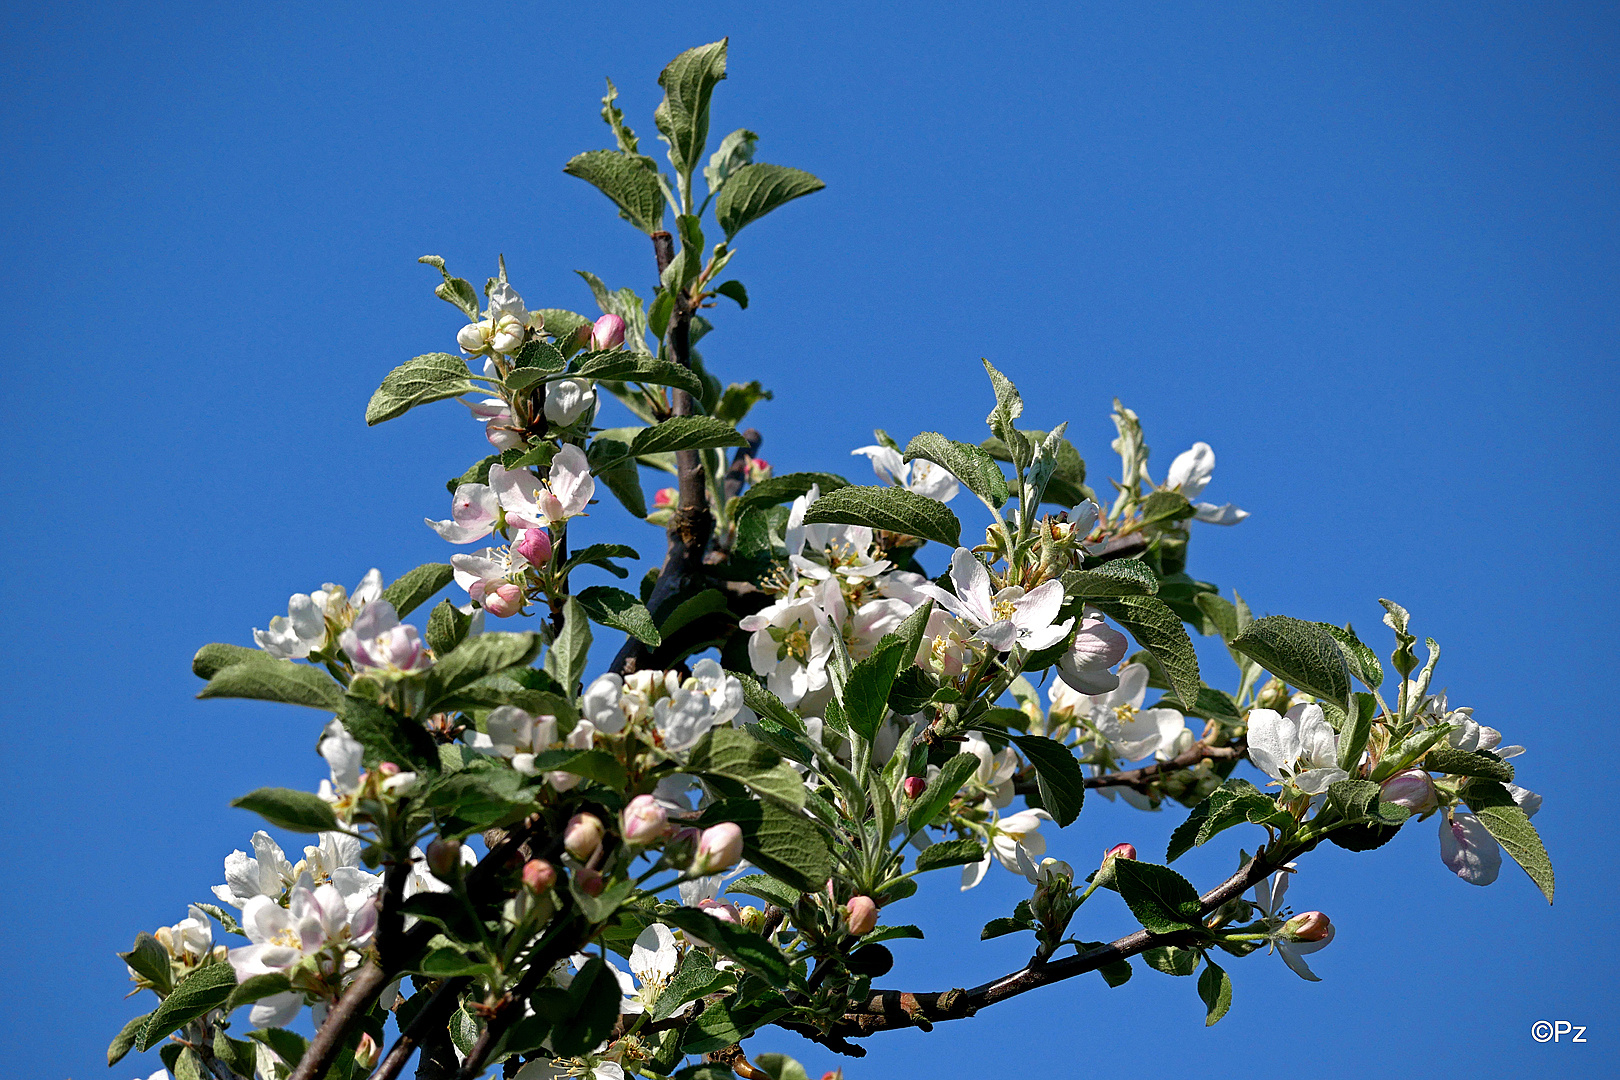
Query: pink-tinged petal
{"type": "Point", "coordinates": [460, 534]}
{"type": "Point", "coordinates": [1468, 849]}
{"type": "Point", "coordinates": [571, 480]}
{"type": "Point", "coordinates": [1036, 609]}
{"type": "Point", "coordinates": [1036, 640]}
{"type": "Point", "coordinates": [944, 599]}
{"type": "Point", "coordinates": [1000, 636]}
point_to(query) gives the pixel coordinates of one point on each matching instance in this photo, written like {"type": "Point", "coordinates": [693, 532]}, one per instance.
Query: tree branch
{"type": "Point", "coordinates": [434, 1014]}
{"type": "Point", "coordinates": [885, 1010]}
{"type": "Point", "coordinates": [1142, 779]}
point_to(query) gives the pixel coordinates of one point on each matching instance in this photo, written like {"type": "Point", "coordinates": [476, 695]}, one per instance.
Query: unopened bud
{"type": "Point", "coordinates": [860, 915]}
{"type": "Point", "coordinates": [589, 881]}
{"type": "Point", "coordinates": [365, 1054]}
{"type": "Point", "coordinates": [915, 786]}
{"type": "Point", "coordinates": [759, 470]}
{"type": "Point", "coordinates": [608, 333]}
{"type": "Point", "coordinates": [724, 910]}
{"type": "Point", "coordinates": [1121, 851]}
{"type": "Point", "coordinates": [539, 875]}
{"type": "Point", "coordinates": [583, 836]}
{"type": "Point", "coordinates": [719, 848]}
{"type": "Point", "coordinates": [1412, 789]}
{"type": "Point", "coordinates": [474, 337]}
{"type": "Point", "coordinates": [1311, 926]}
{"type": "Point", "coordinates": [388, 768]}
{"type": "Point", "coordinates": [444, 858]}
{"type": "Point", "coordinates": [1104, 877]}
{"type": "Point", "coordinates": [666, 498]}
{"type": "Point", "coordinates": [503, 600]}
{"type": "Point", "coordinates": [643, 820]}
{"type": "Point", "coordinates": [535, 546]}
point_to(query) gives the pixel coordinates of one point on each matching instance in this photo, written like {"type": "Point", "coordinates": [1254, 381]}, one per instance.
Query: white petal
{"type": "Point", "coordinates": [1468, 849]}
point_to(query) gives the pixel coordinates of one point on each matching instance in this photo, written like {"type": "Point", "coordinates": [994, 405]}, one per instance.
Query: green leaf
{"type": "Point", "coordinates": [683, 116]}
{"type": "Point", "coordinates": [453, 290]}
{"type": "Point", "coordinates": [1453, 762]}
{"type": "Point", "coordinates": [408, 591]}
{"type": "Point", "coordinates": [1300, 653]}
{"type": "Point", "coordinates": [735, 291]}
{"type": "Point", "coordinates": [1235, 802]}
{"type": "Point", "coordinates": [780, 489]}
{"type": "Point", "coordinates": [388, 736]}
{"type": "Point", "coordinates": [622, 365]}
{"type": "Point", "coordinates": [747, 948]}
{"type": "Point", "coordinates": [722, 1024]}
{"type": "Point", "coordinates": [124, 1041]}
{"type": "Point", "coordinates": [204, 989]}
{"type": "Point", "coordinates": [433, 377]}
{"type": "Point", "coordinates": [766, 704]}
{"type": "Point", "coordinates": [477, 473]}
{"type": "Point", "coordinates": [941, 790]}
{"type": "Point", "coordinates": [887, 508]}
{"type": "Point", "coordinates": [598, 765]}
{"type": "Point", "coordinates": [782, 842]}
{"type": "Point", "coordinates": [695, 978]}
{"type": "Point", "coordinates": [692, 609]}
{"type": "Point", "coordinates": [1163, 507]}
{"type": "Point", "coordinates": [1510, 825]}
{"type": "Point", "coordinates": [601, 555]}
{"type": "Point", "coordinates": [627, 180]}
{"type": "Point", "coordinates": [446, 962]}
{"type": "Point", "coordinates": [1215, 990]}
{"type": "Point", "coordinates": [541, 358]}
{"type": "Point", "coordinates": [480, 798]}
{"type": "Point", "coordinates": [1009, 407]}
{"type": "Point", "coordinates": [474, 659]}
{"type": "Point", "coordinates": [593, 1000]}
{"type": "Point", "coordinates": [1357, 730]}
{"type": "Point", "coordinates": [1122, 577]}
{"type": "Point", "coordinates": [560, 323]}
{"type": "Point", "coordinates": [621, 611]}
{"type": "Point", "coordinates": [447, 627]}
{"type": "Point", "coordinates": [267, 678]}
{"type": "Point", "coordinates": [1158, 630]}
{"type": "Point", "coordinates": [1171, 959]}
{"type": "Point", "coordinates": [780, 1067]}
{"type": "Point", "coordinates": [1002, 927]}
{"type": "Point", "coordinates": [1162, 900]}
{"type": "Point", "coordinates": [736, 755]}
{"type": "Point", "coordinates": [618, 471]}
{"type": "Point", "coordinates": [739, 398]}
{"type": "Point", "coordinates": [969, 464]}
{"type": "Point", "coordinates": [150, 960]}
{"type": "Point", "coordinates": [1360, 661]}
{"type": "Point", "coordinates": [289, 1046]}
{"type": "Point", "coordinates": [297, 811]}
{"type": "Point", "coordinates": [256, 988]}
{"type": "Point", "coordinates": [736, 150]}
{"type": "Point", "coordinates": [766, 888]}
{"type": "Point", "coordinates": [1057, 774]}
{"type": "Point", "coordinates": [866, 693]}
{"type": "Point", "coordinates": [949, 853]}
{"type": "Point", "coordinates": [755, 190]}
{"type": "Point", "coordinates": [212, 659]}
{"type": "Point", "coordinates": [685, 433]}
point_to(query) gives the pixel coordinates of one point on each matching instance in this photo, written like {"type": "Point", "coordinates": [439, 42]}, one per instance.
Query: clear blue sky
{"type": "Point", "coordinates": [1368, 251]}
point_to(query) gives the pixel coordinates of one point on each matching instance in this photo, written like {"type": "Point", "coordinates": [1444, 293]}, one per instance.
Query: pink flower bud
{"type": "Point", "coordinates": [590, 881]}
{"type": "Point", "coordinates": [915, 786]}
{"type": "Point", "coordinates": [1120, 851]}
{"type": "Point", "coordinates": [583, 836]}
{"type": "Point", "coordinates": [759, 470]}
{"type": "Point", "coordinates": [860, 915]}
{"type": "Point", "coordinates": [666, 498]}
{"type": "Point", "coordinates": [644, 821]}
{"type": "Point", "coordinates": [1311, 926]}
{"type": "Point", "coordinates": [539, 875]}
{"type": "Point", "coordinates": [503, 600]}
{"type": "Point", "coordinates": [444, 858]}
{"type": "Point", "coordinates": [388, 768]}
{"type": "Point", "coordinates": [719, 848]}
{"type": "Point", "coordinates": [724, 910]}
{"type": "Point", "coordinates": [535, 546]}
{"type": "Point", "coordinates": [608, 333]}
{"type": "Point", "coordinates": [365, 1054]}
{"type": "Point", "coordinates": [1412, 789]}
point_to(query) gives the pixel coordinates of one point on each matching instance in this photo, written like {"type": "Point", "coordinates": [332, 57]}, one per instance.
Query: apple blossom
{"type": "Point", "coordinates": [1096, 648]}
{"type": "Point", "coordinates": [312, 923]}
{"type": "Point", "coordinates": [719, 848]}
{"type": "Point", "coordinates": [995, 771]}
{"type": "Point", "coordinates": [444, 858]}
{"type": "Point", "coordinates": [534, 545]}
{"type": "Point", "coordinates": [860, 915]}
{"type": "Point", "coordinates": [643, 821]}
{"type": "Point", "coordinates": [607, 333]}
{"type": "Point", "coordinates": [494, 578]}
{"type": "Point", "coordinates": [922, 477]}
{"type": "Point", "coordinates": [914, 786]}
{"type": "Point", "coordinates": [1411, 788]}
{"type": "Point", "coordinates": [1121, 851]}
{"type": "Point", "coordinates": [378, 644]}
{"type": "Point", "coordinates": [496, 416]}
{"type": "Point", "coordinates": [473, 513]}
{"type": "Point", "coordinates": [569, 401]}
{"type": "Point", "coordinates": [1189, 475]}
{"type": "Point", "coordinates": [1130, 731]}
{"type": "Point", "coordinates": [790, 645]}
{"type": "Point", "coordinates": [1268, 896]}
{"type": "Point", "coordinates": [583, 836]}
{"type": "Point", "coordinates": [531, 504]}
{"type": "Point", "coordinates": [304, 629]}
{"type": "Point", "coordinates": [1310, 926]}
{"type": "Point", "coordinates": [539, 875]}
{"type": "Point", "coordinates": [1299, 748]}
{"type": "Point", "coordinates": [519, 737]}
{"type": "Point", "coordinates": [1004, 619]}
{"type": "Point", "coordinates": [1015, 842]}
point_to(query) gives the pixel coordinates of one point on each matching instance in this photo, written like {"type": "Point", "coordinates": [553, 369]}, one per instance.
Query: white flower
{"type": "Point", "coordinates": [569, 400]}
{"type": "Point", "coordinates": [264, 873]}
{"type": "Point", "coordinates": [343, 754]}
{"type": "Point", "coordinates": [560, 1069]}
{"type": "Point", "coordinates": [923, 477]}
{"type": "Point", "coordinates": [1016, 843]}
{"type": "Point", "coordinates": [1006, 618]}
{"type": "Point", "coordinates": [190, 940]}
{"type": "Point", "coordinates": [1190, 473]}
{"type": "Point", "coordinates": [303, 629]}
{"type": "Point", "coordinates": [520, 737]}
{"type": "Point", "coordinates": [473, 510]}
{"type": "Point", "coordinates": [312, 921]}
{"type": "Point", "coordinates": [531, 504]}
{"type": "Point", "coordinates": [948, 647]}
{"type": "Point", "coordinates": [1268, 895]}
{"type": "Point", "coordinates": [378, 643]}
{"type": "Point", "coordinates": [604, 705]}
{"type": "Point", "coordinates": [1300, 747]}
{"type": "Point", "coordinates": [421, 879]}
{"type": "Point", "coordinates": [1467, 847]}
{"type": "Point", "coordinates": [335, 860]}
{"type": "Point", "coordinates": [653, 959]}
{"type": "Point", "coordinates": [1132, 732]}
{"type": "Point", "coordinates": [496, 417]}
{"type": "Point", "coordinates": [790, 645]}
{"type": "Point", "coordinates": [844, 549]}
{"type": "Point", "coordinates": [484, 571]}
{"type": "Point", "coordinates": [995, 770]}
{"type": "Point", "coordinates": [1096, 648]}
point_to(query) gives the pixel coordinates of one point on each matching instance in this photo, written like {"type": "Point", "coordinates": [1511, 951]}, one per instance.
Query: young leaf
{"type": "Point", "coordinates": [940, 791]}
{"type": "Point", "coordinates": [975, 468]}
{"type": "Point", "coordinates": [1361, 661]}
{"type": "Point", "coordinates": [622, 365]}
{"type": "Point", "coordinates": [1235, 802]}
{"type": "Point", "coordinates": [593, 1000]}
{"type": "Point", "coordinates": [270, 679]}
{"type": "Point", "coordinates": [257, 988]}
{"type": "Point", "coordinates": [297, 811]}
{"type": "Point", "coordinates": [1122, 577]}
{"type": "Point", "coordinates": [949, 853]}
{"type": "Point", "coordinates": [737, 755]}
{"type": "Point", "coordinates": [289, 1046]}
{"type": "Point", "coordinates": [621, 611]}
{"type": "Point", "coordinates": [1510, 825]}
{"type": "Point", "coordinates": [695, 978]}
{"type": "Point", "coordinates": [626, 179]}
{"type": "Point", "coordinates": [755, 190]}
{"type": "Point", "coordinates": [1357, 730]}
{"type": "Point", "coordinates": [736, 150]}
{"type": "Point", "coordinates": [734, 290]}
{"type": "Point", "coordinates": [685, 433]}
{"type": "Point", "coordinates": [389, 736]}
{"type": "Point", "coordinates": [212, 659]}
{"type": "Point", "coordinates": [866, 694]}
{"type": "Point", "coordinates": [565, 660]}
{"type": "Point", "coordinates": [683, 116]}
{"type": "Point", "coordinates": [766, 888]}
{"type": "Point", "coordinates": [887, 508]}
{"type": "Point", "coordinates": [1158, 630]}
{"type": "Point", "coordinates": [1300, 653]}
{"type": "Point", "coordinates": [1062, 785]}
{"type": "Point", "coordinates": [1452, 762]}
{"type": "Point", "coordinates": [408, 591]}
{"type": "Point", "coordinates": [150, 960]}
{"type": "Point", "coordinates": [475, 659]}
{"type": "Point", "coordinates": [433, 377]}
{"type": "Point", "coordinates": [204, 989]}
{"type": "Point", "coordinates": [779, 489]}
{"type": "Point", "coordinates": [124, 1041]}
{"type": "Point", "coordinates": [1162, 900]}
{"type": "Point", "coordinates": [747, 948]}
{"type": "Point", "coordinates": [1171, 959]}
{"type": "Point", "coordinates": [447, 627]}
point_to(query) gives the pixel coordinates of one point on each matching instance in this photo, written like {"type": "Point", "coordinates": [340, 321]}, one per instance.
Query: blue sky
{"type": "Point", "coordinates": [1367, 251]}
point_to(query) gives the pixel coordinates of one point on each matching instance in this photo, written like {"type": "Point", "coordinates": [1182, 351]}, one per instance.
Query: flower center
{"type": "Point", "coordinates": [286, 937]}
{"type": "Point", "coordinates": [1003, 610]}
{"type": "Point", "coordinates": [1125, 713]}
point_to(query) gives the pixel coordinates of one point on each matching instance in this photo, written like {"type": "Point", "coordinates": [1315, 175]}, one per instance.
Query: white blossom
{"type": "Point", "coordinates": [1132, 732]}
{"type": "Point", "coordinates": [304, 629]}
{"type": "Point", "coordinates": [1007, 617]}
{"type": "Point", "coordinates": [570, 400]}
{"type": "Point", "coordinates": [1016, 843]}
{"type": "Point", "coordinates": [923, 477]}
{"type": "Point", "coordinates": [378, 643]}
{"type": "Point", "coordinates": [1096, 648]}
{"type": "Point", "coordinates": [473, 511]}
{"type": "Point", "coordinates": [532, 504]}
{"type": "Point", "coordinates": [1268, 896]}
{"type": "Point", "coordinates": [1189, 474]}
{"type": "Point", "coordinates": [1300, 747]}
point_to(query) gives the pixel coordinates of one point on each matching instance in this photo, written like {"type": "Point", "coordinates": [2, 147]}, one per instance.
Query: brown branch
{"type": "Point", "coordinates": [1142, 779]}
{"type": "Point", "coordinates": [693, 521]}
{"type": "Point", "coordinates": [884, 1010]}
{"type": "Point", "coordinates": [510, 1008]}
{"type": "Point", "coordinates": [432, 1017]}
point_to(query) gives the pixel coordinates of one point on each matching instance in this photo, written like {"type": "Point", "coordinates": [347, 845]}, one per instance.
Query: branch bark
{"type": "Point", "coordinates": [885, 1010]}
